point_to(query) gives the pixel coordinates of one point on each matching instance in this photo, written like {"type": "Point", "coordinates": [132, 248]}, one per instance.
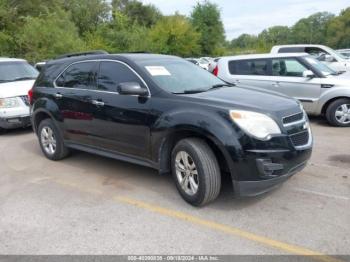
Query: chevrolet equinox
{"type": "Point", "coordinates": [168, 114]}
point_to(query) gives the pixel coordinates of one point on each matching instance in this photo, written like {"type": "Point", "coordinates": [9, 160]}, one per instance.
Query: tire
{"type": "Point", "coordinates": [2, 131]}
{"type": "Point", "coordinates": [60, 150]}
{"type": "Point", "coordinates": [207, 176]}
{"type": "Point", "coordinates": [334, 111]}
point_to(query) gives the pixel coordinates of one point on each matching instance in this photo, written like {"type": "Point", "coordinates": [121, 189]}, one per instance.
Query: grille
{"type": "Point", "coordinates": [293, 118]}
{"type": "Point", "coordinates": [25, 99]}
{"type": "Point", "coordinates": [300, 139]}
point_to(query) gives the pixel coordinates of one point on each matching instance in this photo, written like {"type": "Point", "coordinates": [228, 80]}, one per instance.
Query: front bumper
{"type": "Point", "coordinates": [15, 122]}
{"type": "Point", "coordinates": [16, 117]}
{"type": "Point", "coordinates": [259, 171]}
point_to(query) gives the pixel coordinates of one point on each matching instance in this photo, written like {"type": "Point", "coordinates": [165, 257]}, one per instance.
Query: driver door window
{"type": "Point", "coordinates": [287, 68]}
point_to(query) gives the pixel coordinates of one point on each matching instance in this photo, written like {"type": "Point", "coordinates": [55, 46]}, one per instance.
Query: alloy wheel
{"type": "Point", "coordinates": [48, 140]}
{"type": "Point", "coordinates": [342, 114]}
{"type": "Point", "coordinates": [186, 173]}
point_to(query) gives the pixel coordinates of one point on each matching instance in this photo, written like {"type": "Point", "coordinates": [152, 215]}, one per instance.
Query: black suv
{"type": "Point", "coordinates": [166, 113]}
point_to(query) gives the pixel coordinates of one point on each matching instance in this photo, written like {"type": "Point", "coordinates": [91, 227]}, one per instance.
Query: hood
{"type": "Point", "coordinates": [343, 79]}
{"type": "Point", "coordinates": [18, 88]}
{"type": "Point", "coordinates": [248, 98]}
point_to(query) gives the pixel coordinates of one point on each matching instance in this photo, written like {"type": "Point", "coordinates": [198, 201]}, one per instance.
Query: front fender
{"type": "Point", "coordinates": [332, 93]}
{"type": "Point", "coordinates": [215, 126]}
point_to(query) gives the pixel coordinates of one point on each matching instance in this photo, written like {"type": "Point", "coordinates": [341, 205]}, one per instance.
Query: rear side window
{"type": "Point", "coordinates": [80, 75]}
{"type": "Point", "coordinates": [249, 67]}
{"type": "Point", "coordinates": [291, 50]}
{"type": "Point", "coordinates": [111, 74]}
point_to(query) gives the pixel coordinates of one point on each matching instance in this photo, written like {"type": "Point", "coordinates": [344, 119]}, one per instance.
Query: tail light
{"type": "Point", "coordinates": [216, 71]}
{"type": "Point", "coordinates": [30, 96]}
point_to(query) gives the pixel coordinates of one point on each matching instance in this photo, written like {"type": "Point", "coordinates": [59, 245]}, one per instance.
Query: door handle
{"type": "Point", "coordinates": [58, 95]}
{"type": "Point", "coordinates": [277, 84]}
{"type": "Point", "coordinates": [97, 103]}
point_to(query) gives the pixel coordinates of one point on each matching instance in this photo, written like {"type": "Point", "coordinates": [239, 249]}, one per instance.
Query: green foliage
{"type": "Point", "coordinates": [43, 29]}
{"type": "Point", "coordinates": [175, 35]}
{"type": "Point", "coordinates": [87, 15]}
{"type": "Point", "coordinates": [206, 18]}
{"type": "Point", "coordinates": [46, 36]}
{"type": "Point", "coordinates": [311, 30]}
{"type": "Point", "coordinates": [338, 30]}
{"type": "Point", "coordinates": [137, 12]}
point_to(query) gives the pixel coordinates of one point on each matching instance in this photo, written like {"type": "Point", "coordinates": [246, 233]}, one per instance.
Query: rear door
{"type": "Point", "coordinates": [73, 97]}
{"type": "Point", "coordinates": [252, 72]}
{"type": "Point", "coordinates": [120, 121]}
{"type": "Point", "coordinates": [287, 78]}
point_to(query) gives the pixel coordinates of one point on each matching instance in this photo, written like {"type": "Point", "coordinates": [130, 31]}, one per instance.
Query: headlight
{"type": "Point", "coordinates": [9, 102]}
{"type": "Point", "coordinates": [258, 125]}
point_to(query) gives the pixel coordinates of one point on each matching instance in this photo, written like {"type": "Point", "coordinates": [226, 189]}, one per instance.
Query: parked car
{"type": "Point", "coordinates": [165, 113]}
{"type": "Point", "coordinates": [204, 62]}
{"type": "Point", "coordinates": [193, 61]}
{"type": "Point", "coordinates": [16, 79]}
{"type": "Point", "coordinates": [323, 53]}
{"type": "Point", "coordinates": [212, 64]}
{"type": "Point", "coordinates": [344, 52]}
{"type": "Point", "coordinates": [322, 90]}
{"type": "Point", "coordinates": [39, 66]}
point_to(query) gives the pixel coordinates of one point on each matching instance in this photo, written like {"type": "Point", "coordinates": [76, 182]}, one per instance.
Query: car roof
{"type": "Point", "coordinates": [7, 59]}
{"type": "Point", "coordinates": [261, 56]}
{"type": "Point", "coordinates": [298, 45]}
{"type": "Point", "coordinates": [135, 57]}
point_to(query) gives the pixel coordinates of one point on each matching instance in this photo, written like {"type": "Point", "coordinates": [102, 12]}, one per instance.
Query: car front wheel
{"type": "Point", "coordinates": [338, 113]}
{"type": "Point", "coordinates": [50, 140]}
{"type": "Point", "coordinates": [196, 171]}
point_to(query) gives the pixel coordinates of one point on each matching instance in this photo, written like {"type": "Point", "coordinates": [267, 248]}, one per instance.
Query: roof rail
{"type": "Point", "coordinates": [96, 52]}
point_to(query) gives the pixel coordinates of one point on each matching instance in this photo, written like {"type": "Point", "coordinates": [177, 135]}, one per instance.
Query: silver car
{"type": "Point", "coordinates": [322, 90]}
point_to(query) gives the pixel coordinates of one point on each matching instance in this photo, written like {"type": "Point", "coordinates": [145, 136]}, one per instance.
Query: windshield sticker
{"type": "Point", "coordinates": [158, 71]}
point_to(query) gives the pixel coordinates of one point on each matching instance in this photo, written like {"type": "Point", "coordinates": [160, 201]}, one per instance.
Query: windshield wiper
{"type": "Point", "coordinates": [194, 91]}
{"type": "Point", "coordinates": [221, 85]}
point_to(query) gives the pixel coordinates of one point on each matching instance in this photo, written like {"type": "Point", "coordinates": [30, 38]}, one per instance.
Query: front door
{"type": "Point", "coordinates": [287, 78]}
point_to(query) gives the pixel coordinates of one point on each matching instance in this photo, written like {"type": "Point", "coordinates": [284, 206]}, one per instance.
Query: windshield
{"type": "Point", "coordinates": [323, 68]}
{"type": "Point", "coordinates": [179, 76]}
{"type": "Point", "coordinates": [16, 71]}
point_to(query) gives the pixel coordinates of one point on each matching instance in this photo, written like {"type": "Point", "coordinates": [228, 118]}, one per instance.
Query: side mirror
{"type": "Point", "coordinates": [132, 89]}
{"type": "Point", "coordinates": [329, 58]}
{"type": "Point", "coordinates": [308, 74]}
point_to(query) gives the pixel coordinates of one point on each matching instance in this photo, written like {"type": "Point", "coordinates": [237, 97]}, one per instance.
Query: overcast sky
{"type": "Point", "coordinates": [252, 16]}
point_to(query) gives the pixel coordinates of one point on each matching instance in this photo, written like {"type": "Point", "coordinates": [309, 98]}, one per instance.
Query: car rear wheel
{"type": "Point", "coordinates": [2, 131]}
{"type": "Point", "coordinates": [51, 141]}
{"type": "Point", "coordinates": [196, 171]}
{"type": "Point", "coordinates": [338, 113]}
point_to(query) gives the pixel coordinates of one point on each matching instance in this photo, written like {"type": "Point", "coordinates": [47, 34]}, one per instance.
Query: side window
{"type": "Point", "coordinates": [287, 67]}
{"type": "Point", "coordinates": [249, 67]}
{"type": "Point", "coordinates": [79, 75]}
{"type": "Point", "coordinates": [111, 74]}
{"type": "Point", "coordinates": [318, 53]}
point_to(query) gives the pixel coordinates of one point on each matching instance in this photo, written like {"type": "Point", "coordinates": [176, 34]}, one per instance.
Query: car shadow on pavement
{"type": "Point", "coordinates": [17, 132]}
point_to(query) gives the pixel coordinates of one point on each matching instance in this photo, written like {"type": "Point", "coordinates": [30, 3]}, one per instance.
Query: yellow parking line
{"type": "Point", "coordinates": [229, 230]}
{"type": "Point", "coordinates": [293, 249]}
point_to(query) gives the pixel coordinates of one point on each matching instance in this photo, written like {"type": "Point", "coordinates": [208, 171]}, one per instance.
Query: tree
{"type": "Point", "coordinates": [338, 30]}
{"type": "Point", "coordinates": [206, 18]}
{"type": "Point", "coordinates": [45, 37]}
{"type": "Point", "coordinates": [276, 35]}
{"type": "Point", "coordinates": [175, 35]}
{"type": "Point", "coordinates": [143, 14]}
{"type": "Point", "coordinates": [312, 29]}
{"type": "Point", "coordinates": [87, 15]}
